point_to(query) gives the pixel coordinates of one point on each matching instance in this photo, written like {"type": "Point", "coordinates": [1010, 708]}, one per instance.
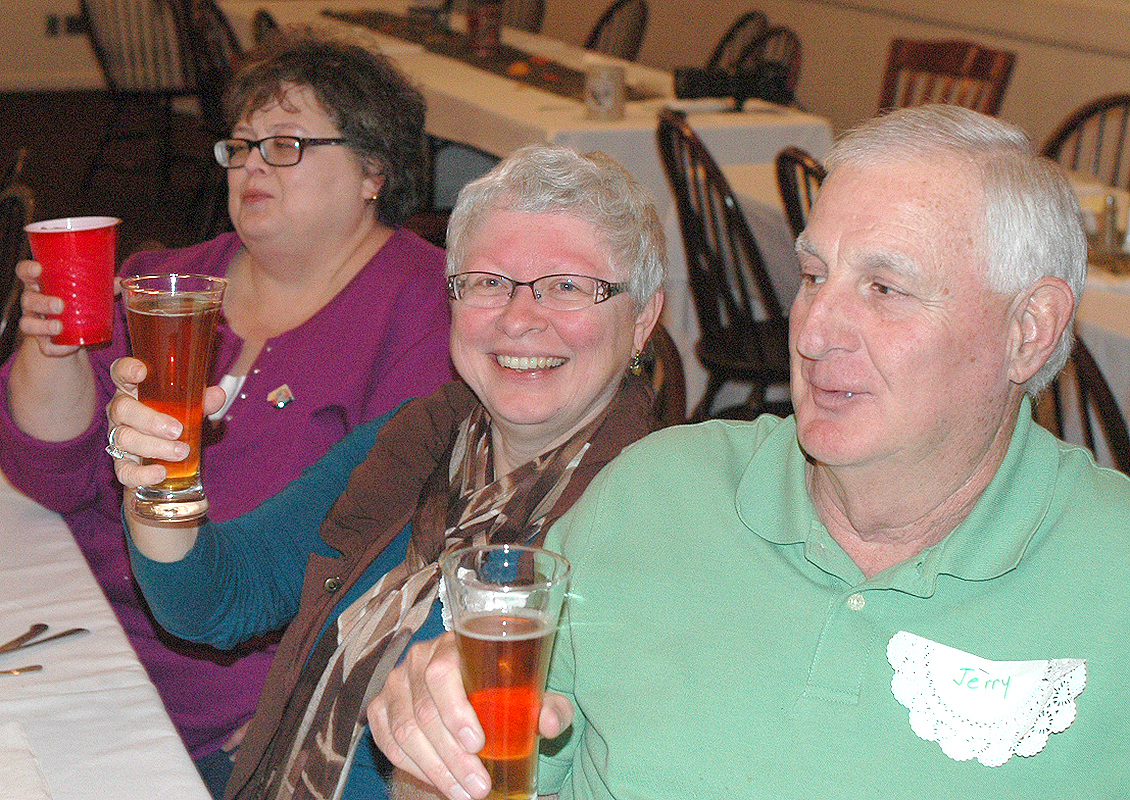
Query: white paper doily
{"type": "Point", "coordinates": [975, 708]}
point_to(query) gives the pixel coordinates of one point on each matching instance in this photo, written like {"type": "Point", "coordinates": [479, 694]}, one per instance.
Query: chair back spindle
{"type": "Point", "coordinates": [1080, 395]}
{"type": "Point", "coordinates": [17, 209]}
{"type": "Point", "coordinates": [952, 72]}
{"type": "Point", "coordinates": [728, 53]}
{"type": "Point", "coordinates": [620, 30]}
{"type": "Point", "coordinates": [1093, 140]}
{"type": "Point", "coordinates": [744, 331]}
{"type": "Point", "coordinates": [799, 176]}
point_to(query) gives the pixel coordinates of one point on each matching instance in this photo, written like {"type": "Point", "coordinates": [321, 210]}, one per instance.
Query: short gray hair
{"type": "Point", "coordinates": [551, 179]}
{"type": "Point", "coordinates": [1033, 226]}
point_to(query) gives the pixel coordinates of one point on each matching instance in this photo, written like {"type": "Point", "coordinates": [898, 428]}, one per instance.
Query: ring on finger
{"type": "Point", "coordinates": [113, 449]}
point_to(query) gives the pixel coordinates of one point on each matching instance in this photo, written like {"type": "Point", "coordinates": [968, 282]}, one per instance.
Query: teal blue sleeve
{"type": "Point", "coordinates": [243, 577]}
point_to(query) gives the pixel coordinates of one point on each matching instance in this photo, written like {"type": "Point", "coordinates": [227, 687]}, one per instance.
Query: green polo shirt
{"type": "Point", "coordinates": [720, 644]}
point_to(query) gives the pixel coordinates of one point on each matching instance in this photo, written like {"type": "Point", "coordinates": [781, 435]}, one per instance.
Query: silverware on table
{"type": "Point", "coordinates": [22, 670]}
{"type": "Point", "coordinates": [23, 642]}
{"type": "Point", "coordinates": [32, 632]}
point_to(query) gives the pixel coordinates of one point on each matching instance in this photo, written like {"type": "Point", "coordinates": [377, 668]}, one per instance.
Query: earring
{"type": "Point", "coordinates": [635, 366]}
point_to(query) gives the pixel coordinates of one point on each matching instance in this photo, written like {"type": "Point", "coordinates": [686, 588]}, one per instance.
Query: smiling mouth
{"type": "Point", "coordinates": [529, 362]}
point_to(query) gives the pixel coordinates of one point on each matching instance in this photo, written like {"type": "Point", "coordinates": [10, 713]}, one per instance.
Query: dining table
{"type": "Point", "coordinates": [88, 724]}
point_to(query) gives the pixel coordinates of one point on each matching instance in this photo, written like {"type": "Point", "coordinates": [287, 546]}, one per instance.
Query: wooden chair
{"type": "Point", "coordinates": [620, 30]}
{"type": "Point", "coordinates": [263, 24]}
{"type": "Point", "coordinates": [777, 47]}
{"type": "Point", "coordinates": [744, 330]}
{"type": "Point", "coordinates": [1080, 390]}
{"type": "Point", "coordinates": [215, 51]}
{"type": "Point", "coordinates": [745, 30]}
{"type": "Point", "coordinates": [799, 176]}
{"type": "Point", "coordinates": [17, 208]}
{"type": "Point", "coordinates": [139, 47]}
{"type": "Point", "coordinates": [525, 15]}
{"type": "Point", "coordinates": [1093, 140]}
{"type": "Point", "coordinates": [664, 367]}
{"type": "Point", "coordinates": [954, 72]}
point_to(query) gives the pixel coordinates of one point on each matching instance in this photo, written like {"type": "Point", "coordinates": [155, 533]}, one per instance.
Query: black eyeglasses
{"type": "Point", "coordinates": [558, 292]}
{"type": "Point", "coordinates": [278, 151]}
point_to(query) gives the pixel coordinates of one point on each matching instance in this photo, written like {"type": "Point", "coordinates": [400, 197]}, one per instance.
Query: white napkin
{"type": "Point", "coordinates": [20, 778]}
{"type": "Point", "coordinates": [975, 708]}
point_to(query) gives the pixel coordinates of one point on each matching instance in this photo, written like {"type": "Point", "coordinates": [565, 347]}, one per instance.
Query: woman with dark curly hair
{"type": "Point", "coordinates": [334, 314]}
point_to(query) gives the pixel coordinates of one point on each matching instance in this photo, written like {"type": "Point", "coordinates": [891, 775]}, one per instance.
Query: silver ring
{"type": "Point", "coordinates": [113, 449]}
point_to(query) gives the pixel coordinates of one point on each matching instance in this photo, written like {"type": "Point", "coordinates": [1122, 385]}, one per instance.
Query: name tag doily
{"type": "Point", "coordinates": [976, 708]}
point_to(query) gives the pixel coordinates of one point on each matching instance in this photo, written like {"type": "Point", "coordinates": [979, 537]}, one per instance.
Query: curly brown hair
{"type": "Point", "coordinates": [378, 111]}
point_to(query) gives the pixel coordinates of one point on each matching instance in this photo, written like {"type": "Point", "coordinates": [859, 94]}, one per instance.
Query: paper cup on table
{"type": "Point", "coordinates": [78, 255]}
{"type": "Point", "coordinates": [604, 91]}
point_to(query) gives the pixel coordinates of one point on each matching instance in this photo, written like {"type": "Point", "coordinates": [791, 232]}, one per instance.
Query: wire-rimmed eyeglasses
{"type": "Point", "coordinates": [278, 151]}
{"type": "Point", "coordinates": [560, 292]}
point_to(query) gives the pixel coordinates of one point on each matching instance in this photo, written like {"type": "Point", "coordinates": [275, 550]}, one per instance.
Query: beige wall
{"type": "Point", "coordinates": [1068, 51]}
{"type": "Point", "coordinates": [29, 59]}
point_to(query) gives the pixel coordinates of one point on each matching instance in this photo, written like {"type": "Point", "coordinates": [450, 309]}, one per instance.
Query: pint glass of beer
{"type": "Point", "coordinates": [505, 601]}
{"type": "Point", "coordinates": [172, 319]}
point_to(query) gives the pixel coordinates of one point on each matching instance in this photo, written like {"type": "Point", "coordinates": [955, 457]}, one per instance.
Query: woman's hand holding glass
{"type": "Point", "coordinates": [141, 432]}
{"type": "Point", "coordinates": [426, 726]}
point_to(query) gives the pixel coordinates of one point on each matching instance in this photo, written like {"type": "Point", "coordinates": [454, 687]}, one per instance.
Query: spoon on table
{"type": "Point", "coordinates": [32, 632]}
{"type": "Point", "coordinates": [26, 644]}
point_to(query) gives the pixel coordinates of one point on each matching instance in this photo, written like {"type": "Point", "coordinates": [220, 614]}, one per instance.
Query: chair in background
{"type": "Point", "coordinates": [263, 24]}
{"type": "Point", "coordinates": [620, 30]}
{"type": "Point", "coordinates": [954, 72]}
{"type": "Point", "coordinates": [1093, 140]}
{"type": "Point", "coordinates": [17, 208]}
{"type": "Point", "coordinates": [775, 55]}
{"type": "Point", "coordinates": [744, 330]}
{"type": "Point", "coordinates": [663, 366]}
{"type": "Point", "coordinates": [138, 46]}
{"type": "Point", "coordinates": [799, 176]}
{"type": "Point", "coordinates": [214, 52]}
{"type": "Point", "coordinates": [1081, 390]}
{"type": "Point", "coordinates": [727, 53]}
{"type": "Point", "coordinates": [525, 15]}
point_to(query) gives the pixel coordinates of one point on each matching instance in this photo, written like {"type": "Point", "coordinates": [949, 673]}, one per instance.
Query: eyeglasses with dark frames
{"type": "Point", "coordinates": [278, 151]}
{"type": "Point", "coordinates": [560, 292]}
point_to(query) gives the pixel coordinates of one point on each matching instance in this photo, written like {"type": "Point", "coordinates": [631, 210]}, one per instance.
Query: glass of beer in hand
{"type": "Point", "coordinates": [172, 319]}
{"type": "Point", "coordinates": [505, 601]}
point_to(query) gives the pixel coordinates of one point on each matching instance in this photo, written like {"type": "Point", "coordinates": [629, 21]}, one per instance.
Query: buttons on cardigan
{"type": "Point", "coordinates": [332, 584]}
{"type": "Point", "coordinates": [856, 602]}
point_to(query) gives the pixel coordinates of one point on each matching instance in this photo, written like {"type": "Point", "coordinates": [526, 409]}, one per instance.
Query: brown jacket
{"type": "Point", "coordinates": [382, 497]}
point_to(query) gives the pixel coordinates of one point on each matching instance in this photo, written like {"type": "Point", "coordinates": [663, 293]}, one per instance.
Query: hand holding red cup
{"type": "Point", "coordinates": [79, 258]}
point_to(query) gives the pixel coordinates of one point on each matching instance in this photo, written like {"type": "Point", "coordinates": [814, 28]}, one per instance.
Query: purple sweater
{"type": "Point", "coordinates": [382, 339]}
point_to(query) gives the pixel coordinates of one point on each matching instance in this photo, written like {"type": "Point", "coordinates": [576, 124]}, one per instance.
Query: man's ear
{"type": "Point", "coordinates": [1040, 319]}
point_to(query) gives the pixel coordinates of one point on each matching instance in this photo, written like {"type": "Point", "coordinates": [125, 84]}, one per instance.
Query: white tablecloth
{"type": "Point", "coordinates": [92, 718]}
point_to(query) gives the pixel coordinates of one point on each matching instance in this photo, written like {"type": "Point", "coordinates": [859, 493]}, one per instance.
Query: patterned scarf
{"type": "Point", "coordinates": [467, 505]}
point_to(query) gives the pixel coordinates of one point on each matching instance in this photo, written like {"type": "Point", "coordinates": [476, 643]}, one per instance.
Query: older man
{"type": "Point", "coordinates": [906, 590]}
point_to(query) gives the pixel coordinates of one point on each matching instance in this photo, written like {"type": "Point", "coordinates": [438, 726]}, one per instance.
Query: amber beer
{"type": "Point", "coordinates": [505, 658]}
{"type": "Point", "coordinates": [505, 601]}
{"type": "Point", "coordinates": [171, 326]}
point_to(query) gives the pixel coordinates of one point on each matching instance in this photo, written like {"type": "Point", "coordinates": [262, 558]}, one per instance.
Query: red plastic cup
{"type": "Point", "coordinates": [78, 255]}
